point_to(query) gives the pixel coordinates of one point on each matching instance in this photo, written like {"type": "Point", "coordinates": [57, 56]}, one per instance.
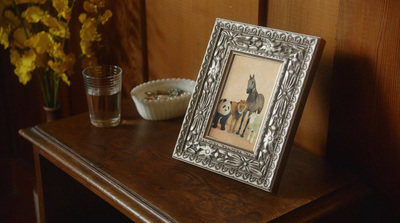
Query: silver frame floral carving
{"type": "Point", "coordinates": [262, 165]}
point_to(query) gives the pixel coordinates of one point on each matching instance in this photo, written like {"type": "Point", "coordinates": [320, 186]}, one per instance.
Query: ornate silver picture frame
{"type": "Point", "coordinates": [247, 102]}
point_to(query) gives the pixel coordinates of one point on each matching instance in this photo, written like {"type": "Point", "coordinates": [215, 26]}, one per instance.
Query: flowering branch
{"type": "Point", "coordinates": [36, 32]}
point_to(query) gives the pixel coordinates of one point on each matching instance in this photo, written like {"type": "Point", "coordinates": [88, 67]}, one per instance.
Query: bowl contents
{"type": "Point", "coordinates": [162, 95]}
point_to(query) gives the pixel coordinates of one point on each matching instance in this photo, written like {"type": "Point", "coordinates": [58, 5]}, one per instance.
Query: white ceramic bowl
{"type": "Point", "coordinates": [162, 109]}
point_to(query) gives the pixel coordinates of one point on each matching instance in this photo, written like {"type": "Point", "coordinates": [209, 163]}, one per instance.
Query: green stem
{"type": "Point", "coordinates": [48, 84]}
{"type": "Point", "coordinates": [97, 24]}
{"type": "Point", "coordinates": [98, 17]}
{"type": "Point", "coordinates": [45, 87]}
{"type": "Point", "coordinates": [55, 80]}
{"type": "Point", "coordinates": [42, 87]}
{"type": "Point", "coordinates": [66, 27]}
{"type": "Point", "coordinates": [56, 84]}
{"type": "Point", "coordinates": [20, 18]}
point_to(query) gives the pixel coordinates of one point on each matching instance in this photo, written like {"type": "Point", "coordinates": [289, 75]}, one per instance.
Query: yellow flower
{"type": "Point", "coordinates": [4, 4]}
{"type": "Point", "coordinates": [82, 17]}
{"type": "Point", "coordinates": [64, 78]}
{"type": "Point", "coordinates": [24, 64]}
{"type": "Point", "coordinates": [89, 61]}
{"type": "Point", "coordinates": [11, 18]}
{"type": "Point", "coordinates": [68, 63]}
{"type": "Point", "coordinates": [14, 56]}
{"type": "Point", "coordinates": [33, 14]}
{"type": "Point", "coordinates": [19, 38]}
{"type": "Point", "coordinates": [41, 42]}
{"type": "Point", "coordinates": [85, 48]}
{"type": "Point", "coordinates": [62, 8]}
{"type": "Point", "coordinates": [4, 32]}
{"type": "Point", "coordinates": [64, 64]}
{"type": "Point", "coordinates": [40, 60]}
{"type": "Point", "coordinates": [89, 30]}
{"type": "Point", "coordinates": [54, 65]}
{"type": "Point", "coordinates": [57, 51]}
{"type": "Point", "coordinates": [30, 1]}
{"type": "Point", "coordinates": [106, 15]}
{"type": "Point", "coordinates": [36, 33]}
{"type": "Point", "coordinates": [56, 27]}
{"type": "Point", "coordinates": [67, 60]}
{"type": "Point", "coordinates": [88, 34]}
{"type": "Point", "coordinates": [89, 7]}
{"type": "Point", "coordinates": [99, 3]}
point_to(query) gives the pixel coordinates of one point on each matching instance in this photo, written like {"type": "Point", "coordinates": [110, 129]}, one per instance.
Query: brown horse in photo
{"type": "Point", "coordinates": [255, 103]}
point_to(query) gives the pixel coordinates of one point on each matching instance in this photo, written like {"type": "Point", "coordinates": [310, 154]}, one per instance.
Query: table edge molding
{"type": "Point", "coordinates": [96, 179]}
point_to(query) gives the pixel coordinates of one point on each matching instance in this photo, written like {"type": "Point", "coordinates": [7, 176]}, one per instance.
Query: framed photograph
{"type": "Point", "coordinates": [247, 102]}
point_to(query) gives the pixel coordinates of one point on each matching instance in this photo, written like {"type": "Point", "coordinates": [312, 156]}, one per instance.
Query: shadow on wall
{"type": "Point", "coordinates": [363, 127]}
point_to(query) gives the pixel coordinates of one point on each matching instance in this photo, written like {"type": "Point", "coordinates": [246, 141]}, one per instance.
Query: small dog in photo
{"type": "Point", "coordinates": [254, 126]}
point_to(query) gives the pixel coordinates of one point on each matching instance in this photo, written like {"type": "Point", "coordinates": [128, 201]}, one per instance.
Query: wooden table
{"type": "Point", "coordinates": [130, 168]}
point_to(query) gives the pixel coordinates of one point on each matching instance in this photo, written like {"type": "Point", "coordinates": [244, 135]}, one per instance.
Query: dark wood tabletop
{"type": "Point", "coordinates": [131, 167]}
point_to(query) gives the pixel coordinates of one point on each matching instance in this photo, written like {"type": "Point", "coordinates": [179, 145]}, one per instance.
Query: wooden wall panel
{"type": "Point", "coordinates": [125, 43]}
{"type": "Point", "coordinates": [178, 32]}
{"type": "Point", "coordinates": [364, 128]}
{"type": "Point", "coordinates": [317, 18]}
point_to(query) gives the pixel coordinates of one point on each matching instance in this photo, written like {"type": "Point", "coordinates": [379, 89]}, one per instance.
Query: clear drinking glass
{"type": "Point", "coordinates": [103, 93]}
